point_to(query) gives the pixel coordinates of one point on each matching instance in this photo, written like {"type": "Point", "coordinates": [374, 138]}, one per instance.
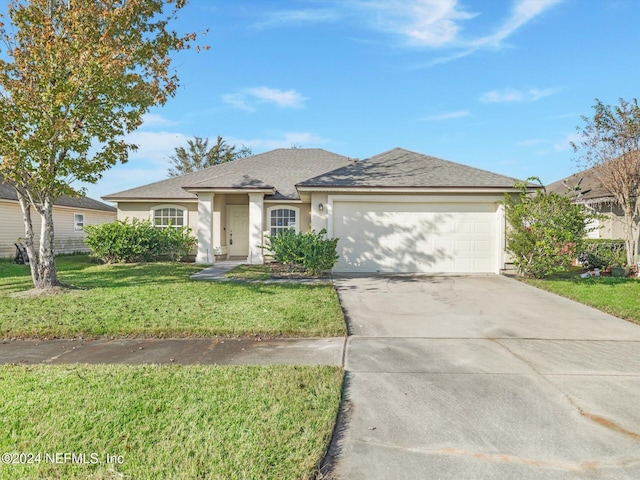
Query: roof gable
{"type": "Point", "coordinates": [400, 168]}
{"type": "Point", "coordinates": [7, 192]}
{"type": "Point", "coordinates": [278, 170]}
{"type": "Point", "coordinates": [583, 186]}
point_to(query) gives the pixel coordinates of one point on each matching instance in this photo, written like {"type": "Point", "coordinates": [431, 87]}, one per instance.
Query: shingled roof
{"type": "Point", "coordinates": [7, 192]}
{"type": "Point", "coordinates": [278, 170]}
{"type": "Point", "coordinates": [399, 168]}
{"type": "Point", "coordinates": [582, 186]}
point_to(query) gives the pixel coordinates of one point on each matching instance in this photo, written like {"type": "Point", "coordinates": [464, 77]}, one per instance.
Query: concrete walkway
{"type": "Point", "coordinates": [483, 377]}
{"type": "Point", "coordinates": [217, 270]}
{"type": "Point", "coordinates": [204, 351]}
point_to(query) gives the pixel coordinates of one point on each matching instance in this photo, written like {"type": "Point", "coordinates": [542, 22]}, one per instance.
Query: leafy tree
{"type": "Point", "coordinates": [545, 230]}
{"type": "Point", "coordinates": [610, 145]}
{"type": "Point", "coordinates": [198, 155]}
{"type": "Point", "coordinates": [76, 77]}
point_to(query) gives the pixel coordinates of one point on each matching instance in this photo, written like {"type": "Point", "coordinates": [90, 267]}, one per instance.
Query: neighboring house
{"type": "Point", "coordinates": [583, 187]}
{"type": "Point", "coordinates": [69, 216]}
{"type": "Point", "coordinates": [398, 211]}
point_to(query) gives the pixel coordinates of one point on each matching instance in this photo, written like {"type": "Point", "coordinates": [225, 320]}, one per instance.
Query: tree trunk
{"type": "Point", "coordinates": [630, 235]}
{"type": "Point", "coordinates": [47, 273]}
{"type": "Point", "coordinates": [25, 206]}
{"type": "Point", "coordinates": [42, 262]}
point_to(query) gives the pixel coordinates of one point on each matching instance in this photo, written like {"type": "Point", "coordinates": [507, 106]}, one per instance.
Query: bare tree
{"type": "Point", "coordinates": [610, 145]}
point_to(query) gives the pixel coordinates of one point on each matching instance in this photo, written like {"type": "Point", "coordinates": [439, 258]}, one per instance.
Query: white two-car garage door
{"type": "Point", "coordinates": [416, 236]}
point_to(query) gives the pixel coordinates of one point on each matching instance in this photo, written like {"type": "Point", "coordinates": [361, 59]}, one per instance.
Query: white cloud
{"type": "Point", "coordinates": [510, 95]}
{"type": "Point", "coordinates": [288, 140]}
{"type": "Point", "coordinates": [155, 147]}
{"type": "Point", "coordinates": [153, 120]}
{"type": "Point", "coordinates": [247, 98]}
{"type": "Point", "coordinates": [237, 100]}
{"type": "Point", "coordinates": [430, 23]}
{"type": "Point", "coordinates": [124, 177]}
{"type": "Point", "coordinates": [288, 99]}
{"type": "Point", "coordinates": [447, 116]}
{"type": "Point", "coordinates": [298, 17]}
{"type": "Point", "coordinates": [536, 94]}
{"type": "Point", "coordinates": [439, 24]}
{"type": "Point", "coordinates": [522, 12]}
{"type": "Point", "coordinates": [565, 144]}
{"type": "Point", "coordinates": [502, 96]}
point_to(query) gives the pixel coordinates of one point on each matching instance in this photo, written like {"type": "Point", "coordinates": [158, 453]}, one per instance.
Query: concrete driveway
{"type": "Point", "coordinates": [482, 377]}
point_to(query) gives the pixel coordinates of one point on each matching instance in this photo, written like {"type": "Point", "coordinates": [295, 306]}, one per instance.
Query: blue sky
{"type": "Point", "coordinates": [496, 84]}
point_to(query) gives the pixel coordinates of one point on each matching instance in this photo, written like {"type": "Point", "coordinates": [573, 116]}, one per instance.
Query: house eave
{"type": "Point", "coordinates": [598, 201]}
{"type": "Point", "coordinates": [150, 199]}
{"type": "Point", "coordinates": [196, 190]}
{"type": "Point", "coordinates": [379, 189]}
{"type": "Point", "coordinates": [65, 207]}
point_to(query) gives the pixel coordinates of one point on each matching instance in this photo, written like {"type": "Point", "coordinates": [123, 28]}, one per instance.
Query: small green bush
{"type": "Point", "coordinates": [137, 241]}
{"type": "Point", "coordinates": [602, 253]}
{"type": "Point", "coordinates": [545, 230]}
{"type": "Point", "coordinates": [311, 250]}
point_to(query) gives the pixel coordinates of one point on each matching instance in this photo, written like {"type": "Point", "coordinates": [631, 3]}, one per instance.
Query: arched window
{"type": "Point", "coordinates": [282, 218]}
{"type": "Point", "coordinates": [165, 216]}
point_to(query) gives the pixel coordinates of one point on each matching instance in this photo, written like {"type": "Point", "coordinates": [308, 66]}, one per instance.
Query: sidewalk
{"type": "Point", "coordinates": [183, 351]}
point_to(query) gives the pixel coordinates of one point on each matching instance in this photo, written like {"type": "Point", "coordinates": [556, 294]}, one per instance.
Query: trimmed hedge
{"type": "Point", "coordinates": [311, 250]}
{"type": "Point", "coordinates": [602, 253]}
{"type": "Point", "coordinates": [138, 241]}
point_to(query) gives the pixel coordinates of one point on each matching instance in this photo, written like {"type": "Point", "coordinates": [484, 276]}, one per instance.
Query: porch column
{"type": "Point", "coordinates": [256, 207]}
{"type": "Point", "coordinates": [205, 228]}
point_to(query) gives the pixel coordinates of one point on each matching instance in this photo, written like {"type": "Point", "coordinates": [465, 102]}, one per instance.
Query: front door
{"type": "Point", "coordinates": [238, 230]}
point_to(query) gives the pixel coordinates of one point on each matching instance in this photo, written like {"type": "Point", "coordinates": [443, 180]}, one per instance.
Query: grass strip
{"type": "Point", "coordinates": [178, 422]}
{"type": "Point", "coordinates": [159, 300]}
{"type": "Point", "coordinates": [617, 296]}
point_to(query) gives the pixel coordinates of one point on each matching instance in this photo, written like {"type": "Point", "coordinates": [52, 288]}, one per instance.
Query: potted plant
{"type": "Point", "coordinates": [618, 270]}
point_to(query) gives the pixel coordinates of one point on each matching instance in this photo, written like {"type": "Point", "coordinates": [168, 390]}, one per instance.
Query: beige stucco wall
{"type": "Point", "coordinates": [66, 240]}
{"type": "Point", "coordinates": [613, 225]}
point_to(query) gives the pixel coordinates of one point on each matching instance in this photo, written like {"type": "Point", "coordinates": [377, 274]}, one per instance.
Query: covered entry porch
{"type": "Point", "coordinates": [233, 225]}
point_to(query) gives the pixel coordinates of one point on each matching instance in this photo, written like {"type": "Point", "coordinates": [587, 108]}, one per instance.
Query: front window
{"type": "Point", "coordinates": [78, 222]}
{"type": "Point", "coordinates": [168, 217]}
{"type": "Point", "coordinates": [281, 219]}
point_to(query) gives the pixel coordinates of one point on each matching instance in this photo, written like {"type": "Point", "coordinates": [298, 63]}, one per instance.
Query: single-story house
{"type": "Point", "coordinates": [70, 215]}
{"type": "Point", "coordinates": [399, 211]}
{"type": "Point", "coordinates": [584, 187]}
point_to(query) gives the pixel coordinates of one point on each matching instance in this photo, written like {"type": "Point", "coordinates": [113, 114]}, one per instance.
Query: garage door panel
{"type": "Point", "coordinates": [415, 237]}
{"type": "Point", "coordinates": [464, 246]}
{"type": "Point", "coordinates": [465, 227]}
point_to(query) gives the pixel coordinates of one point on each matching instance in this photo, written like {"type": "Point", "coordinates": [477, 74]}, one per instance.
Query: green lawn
{"type": "Point", "coordinates": [166, 421]}
{"type": "Point", "coordinates": [617, 296]}
{"type": "Point", "coordinates": [159, 300]}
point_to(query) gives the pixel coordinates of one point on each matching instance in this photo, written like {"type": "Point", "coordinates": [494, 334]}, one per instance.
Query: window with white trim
{"type": "Point", "coordinates": [282, 218]}
{"type": "Point", "coordinates": [169, 216]}
{"type": "Point", "coordinates": [78, 222]}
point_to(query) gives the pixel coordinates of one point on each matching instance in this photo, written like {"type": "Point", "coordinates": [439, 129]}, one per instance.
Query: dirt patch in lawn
{"type": "Point", "coordinates": [44, 292]}
{"type": "Point", "coordinates": [280, 271]}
